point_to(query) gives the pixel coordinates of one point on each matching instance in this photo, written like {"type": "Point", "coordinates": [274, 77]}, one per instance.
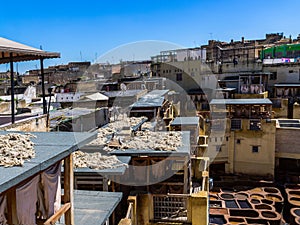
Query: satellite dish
{"type": "Point", "coordinates": [123, 87]}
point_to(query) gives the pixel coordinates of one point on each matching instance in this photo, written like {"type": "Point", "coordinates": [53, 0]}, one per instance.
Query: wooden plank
{"type": "Point", "coordinates": [68, 189]}
{"type": "Point", "coordinates": [58, 214]}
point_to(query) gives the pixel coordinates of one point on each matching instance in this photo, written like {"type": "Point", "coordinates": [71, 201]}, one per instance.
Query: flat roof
{"type": "Point", "coordinates": [149, 101]}
{"type": "Point", "coordinates": [289, 123]}
{"type": "Point", "coordinates": [225, 89]}
{"type": "Point", "coordinates": [287, 85]}
{"type": "Point", "coordinates": [178, 121]}
{"type": "Point", "coordinates": [127, 93]}
{"type": "Point", "coordinates": [159, 92]}
{"type": "Point", "coordinates": [50, 147]}
{"type": "Point", "coordinates": [247, 101]}
{"type": "Point", "coordinates": [93, 207]}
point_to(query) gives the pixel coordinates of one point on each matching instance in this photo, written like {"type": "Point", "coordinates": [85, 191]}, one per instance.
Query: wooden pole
{"type": "Point", "coordinates": [12, 88]}
{"type": "Point", "coordinates": [69, 188]}
{"type": "Point", "coordinates": [43, 86]}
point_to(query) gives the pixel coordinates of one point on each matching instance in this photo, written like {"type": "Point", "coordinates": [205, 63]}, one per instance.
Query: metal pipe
{"type": "Point", "coordinates": [12, 89]}
{"type": "Point", "coordinates": [43, 86]}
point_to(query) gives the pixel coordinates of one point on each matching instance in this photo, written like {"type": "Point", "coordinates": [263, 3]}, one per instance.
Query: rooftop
{"type": "Point", "coordinates": [93, 207]}
{"type": "Point", "coordinates": [250, 101]}
{"type": "Point", "coordinates": [179, 121]}
{"type": "Point", "coordinates": [50, 147]}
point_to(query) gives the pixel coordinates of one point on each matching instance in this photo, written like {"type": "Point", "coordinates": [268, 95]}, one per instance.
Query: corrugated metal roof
{"type": "Point", "coordinates": [21, 52]}
{"type": "Point", "coordinates": [248, 101]}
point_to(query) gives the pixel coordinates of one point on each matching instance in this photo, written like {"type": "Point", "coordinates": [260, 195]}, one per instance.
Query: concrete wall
{"type": "Point", "coordinates": [194, 74]}
{"type": "Point", "coordinates": [281, 112]}
{"type": "Point", "coordinates": [5, 107]}
{"type": "Point", "coordinates": [286, 73]}
{"type": "Point", "coordinates": [287, 143]}
{"type": "Point", "coordinates": [296, 111]}
{"type": "Point", "coordinates": [90, 121]}
{"type": "Point", "coordinates": [33, 124]}
{"type": "Point", "coordinates": [242, 159]}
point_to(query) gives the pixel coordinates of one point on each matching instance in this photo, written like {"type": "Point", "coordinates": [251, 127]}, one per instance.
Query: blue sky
{"type": "Point", "coordinates": [89, 29]}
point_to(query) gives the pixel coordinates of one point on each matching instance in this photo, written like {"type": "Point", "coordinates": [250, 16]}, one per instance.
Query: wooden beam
{"type": "Point", "coordinates": [58, 214]}
{"type": "Point", "coordinates": [12, 207]}
{"type": "Point", "coordinates": [68, 189]}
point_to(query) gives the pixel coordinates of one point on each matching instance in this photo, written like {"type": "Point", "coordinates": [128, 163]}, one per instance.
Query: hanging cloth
{"type": "Point", "coordinates": [26, 196]}
{"type": "Point", "coordinates": [52, 189]}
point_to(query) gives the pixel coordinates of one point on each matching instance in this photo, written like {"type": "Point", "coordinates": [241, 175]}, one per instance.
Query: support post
{"type": "Point", "coordinates": [12, 89]}
{"type": "Point", "coordinates": [43, 86]}
{"type": "Point", "coordinates": [69, 188]}
{"type": "Point", "coordinates": [12, 207]}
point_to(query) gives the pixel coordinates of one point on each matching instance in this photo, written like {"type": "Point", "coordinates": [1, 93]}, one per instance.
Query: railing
{"type": "Point", "coordinates": [171, 207]}
{"type": "Point", "coordinates": [54, 218]}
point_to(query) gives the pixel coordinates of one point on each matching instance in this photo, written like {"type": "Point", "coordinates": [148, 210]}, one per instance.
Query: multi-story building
{"type": "Point", "coordinates": [242, 137]}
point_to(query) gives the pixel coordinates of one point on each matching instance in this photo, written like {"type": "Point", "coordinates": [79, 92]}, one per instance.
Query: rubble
{"type": "Point", "coordinates": [149, 140]}
{"type": "Point", "coordinates": [105, 133]}
{"type": "Point", "coordinates": [15, 149]}
{"type": "Point", "coordinates": [96, 161]}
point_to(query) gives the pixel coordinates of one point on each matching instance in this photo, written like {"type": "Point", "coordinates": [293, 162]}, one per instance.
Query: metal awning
{"type": "Point", "coordinates": [21, 52]}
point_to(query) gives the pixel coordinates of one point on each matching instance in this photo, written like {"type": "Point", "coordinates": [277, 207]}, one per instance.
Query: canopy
{"type": "Point", "coordinates": [21, 52]}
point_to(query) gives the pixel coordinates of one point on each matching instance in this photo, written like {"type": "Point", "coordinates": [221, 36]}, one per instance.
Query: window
{"type": "Point", "coordinates": [291, 71]}
{"type": "Point", "coordinates": [273, 76]}
{"type": "Point", "coordinates": [255, 149]}
{"type": "Point", "coordinates": [238, 141]}
{"type": "Point", "coordinates": [218, 148]}
{"type": "Point", "coordinates": [255, 125]}
{"type": "Point", "coordinates": [179, 76]}
{"type": "Point", "coordinates": [236, 124]}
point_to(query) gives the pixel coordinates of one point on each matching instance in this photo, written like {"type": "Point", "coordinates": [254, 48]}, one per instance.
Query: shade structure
{"type": "Point", "coordinates": [11, 51]}
{"type": "Point", "coordinates": [21, 52]}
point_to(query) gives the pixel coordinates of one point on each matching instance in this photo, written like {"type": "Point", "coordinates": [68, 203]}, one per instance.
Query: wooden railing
{"type": "Point", "coordinates": [53, 219]}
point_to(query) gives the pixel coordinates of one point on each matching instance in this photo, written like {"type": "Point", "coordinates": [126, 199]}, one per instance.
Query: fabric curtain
{"type": "Point", "coordinates": [26, 196]}
{"type": "Point", "coordinates": [51, 191]}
